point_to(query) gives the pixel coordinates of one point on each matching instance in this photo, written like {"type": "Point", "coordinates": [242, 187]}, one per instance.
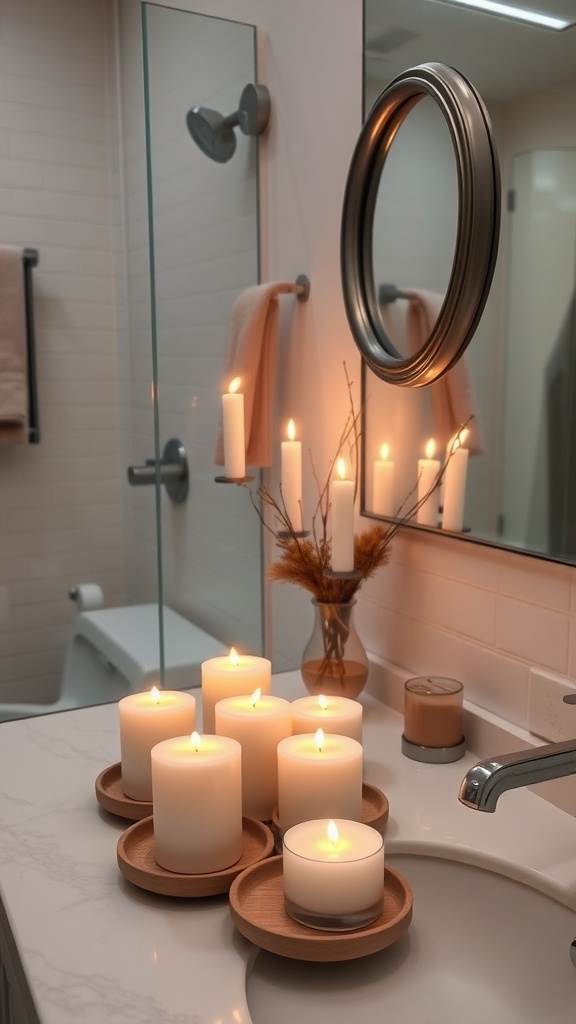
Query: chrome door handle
{"type": "Point", "coordinates": [172, 471]}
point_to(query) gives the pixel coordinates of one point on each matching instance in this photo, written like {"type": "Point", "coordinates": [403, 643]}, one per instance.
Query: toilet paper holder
{"type": "Point", "coordinates": [172, 471]}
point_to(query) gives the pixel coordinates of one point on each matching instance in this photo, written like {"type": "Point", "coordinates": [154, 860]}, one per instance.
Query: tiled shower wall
{"type": "Point", "coordinates": [61, 518]}
{"type": "Point", "coordinates": [73, 185]}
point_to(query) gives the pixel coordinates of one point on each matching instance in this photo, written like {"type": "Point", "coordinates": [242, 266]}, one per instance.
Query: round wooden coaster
{"type": "Point", "coordinates": [135, 855]}
{"type": "Point", "coordinates": [110, 796]}
{"type": "Point", "coordinates": [257, 909]}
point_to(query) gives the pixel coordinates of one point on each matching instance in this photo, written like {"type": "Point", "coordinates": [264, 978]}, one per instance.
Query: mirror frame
{"type": "Point", "coordinates": [478, 224]}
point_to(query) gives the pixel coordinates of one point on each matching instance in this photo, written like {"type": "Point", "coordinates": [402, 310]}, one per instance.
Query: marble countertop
{"type": "Point", "coordinates": [97, 949]}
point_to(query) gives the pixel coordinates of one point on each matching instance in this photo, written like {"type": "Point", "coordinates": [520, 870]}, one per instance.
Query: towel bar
{"type": "Point", "coordinates": [30, 259]}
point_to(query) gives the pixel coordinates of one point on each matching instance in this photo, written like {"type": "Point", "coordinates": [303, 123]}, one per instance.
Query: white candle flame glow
{"type": "Point", "coordinates": [341, 469]}
{"type": "Point", "coordinates": [319, 738]}
{"type": "Point", "coordinates": [291, 430]}
{"type": "Point", "coordinates": [430, 449]}
{"type": "Point", "coordinates": [234, 385]}
{"type": "Point", "coordinates": [384, 452]}
{"type": "Point", "coordinates": [332, 832]}
{"type": "Point", "coordinates": [323, 702]}
{"type": "Point", "coordinates": [155, 695]}
{"type": "Point", "coordinates": [196, 740]}
{"type": "Point", "coordinates": [256, 697]}
{"type": "Point", "coordinates": [234, 659]}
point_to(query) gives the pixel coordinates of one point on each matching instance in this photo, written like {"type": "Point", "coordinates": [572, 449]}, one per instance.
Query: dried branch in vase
{"type": "Point", "coordinates": [306, 560]}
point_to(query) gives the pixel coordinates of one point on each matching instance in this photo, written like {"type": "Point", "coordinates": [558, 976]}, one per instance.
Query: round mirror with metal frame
{"type": "Point", "coordinates": [478, 221]}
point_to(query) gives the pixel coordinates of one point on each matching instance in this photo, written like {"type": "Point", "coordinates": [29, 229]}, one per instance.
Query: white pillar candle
{"type": "Point", "coordinates": [233, 432]}
{"type": "Point", "coordinates": [258, 722]}
{"type": "Point", "coordinates": [383, 484]}
{"type": "Point", "coordinates": [319, 776]}
{"type": "Point", "coordinates": [145, 719]}
{"type": "Point", "coordinates": [291, 469]}
{"type": "Point", "coordinates": [342, 521]}
{"type": "Point", "coordinates": [231, 676]}
{"type": "Point", "coordinates": [333, 869]}
{"type": "Point", "coordinates": [197, 803]}
{"type": "Point", "coordinates": [428, 470]}
{"type": "Point", "coordinates": [333, 714]}
{"type": "Point", "coordinates": [455, 489]}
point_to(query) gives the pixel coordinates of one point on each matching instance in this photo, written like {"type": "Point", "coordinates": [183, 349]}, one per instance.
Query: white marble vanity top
{"type": "Point", "coordinates": [97, 950]}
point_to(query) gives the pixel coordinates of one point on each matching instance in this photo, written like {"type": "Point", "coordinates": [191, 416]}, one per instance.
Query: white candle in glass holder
{"type": "Point", "coordinates": [342, 521]}
{"type": "Point", "coordinates": [333, 869]}
{"type": "Point", "coordinates": [291, 470]}
{"type": "Point", "coordinates": [231, 675]}
{"type": "Point", "coordinates": [258, 722]}
{"type": "Point", "coordinates": [333, 714]}
{"type": "Point", "coordinates": [319, 776]}
{"type": "Point", "coordinates": [145, 719]}
{"type": "Point", "coordinates": [428, 470]}
{"type": "Point", "coordinates": [383, 484]}
{"type": "Point", "coordinates": [197, 803]}
{"type": "Point", "coordinates": [233, 431]}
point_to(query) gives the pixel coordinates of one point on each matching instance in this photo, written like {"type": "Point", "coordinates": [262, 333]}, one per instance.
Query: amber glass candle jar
{"type": "Point", "coordinates": [433, 719]}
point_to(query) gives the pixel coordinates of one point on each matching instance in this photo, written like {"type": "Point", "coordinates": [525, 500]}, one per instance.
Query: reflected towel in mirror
{"type": "Point", "coordinates": [253, 357]}
{"type": "Point", "coordinates": [13, 351]}
{"type": "Point", "coordinates": [452, 397]}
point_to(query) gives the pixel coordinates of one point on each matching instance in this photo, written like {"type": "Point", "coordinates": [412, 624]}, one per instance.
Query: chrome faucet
{"type": "Point", "coordinates": [486, 781]}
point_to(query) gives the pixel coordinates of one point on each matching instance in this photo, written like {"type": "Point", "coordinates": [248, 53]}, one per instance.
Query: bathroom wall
{"type": "Point", "coordinates": [441, 605]}
{"type": "Point", "coordinates": [73, 184]}
{"type": "Point", "coordinates": [61, 515]}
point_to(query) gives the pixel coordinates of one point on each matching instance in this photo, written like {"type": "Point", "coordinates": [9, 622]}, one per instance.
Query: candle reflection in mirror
{"type": "Point", "coordinates": [383, 484]}
{"type": "Point", "coordinates": [428, 470]}
{"type": "Point", "coordinates": [455, 484]}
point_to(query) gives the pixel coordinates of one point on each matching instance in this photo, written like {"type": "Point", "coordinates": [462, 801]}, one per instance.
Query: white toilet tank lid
{"type": "Point", "coordinates": [129, 638]}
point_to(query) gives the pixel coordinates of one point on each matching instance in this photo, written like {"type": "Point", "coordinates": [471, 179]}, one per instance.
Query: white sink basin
{"type": "Point", "coordinates": [481, 949]}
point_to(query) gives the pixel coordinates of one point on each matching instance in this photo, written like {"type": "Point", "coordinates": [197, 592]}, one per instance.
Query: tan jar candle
{"type": "Point", "coordinates": [433, 719]}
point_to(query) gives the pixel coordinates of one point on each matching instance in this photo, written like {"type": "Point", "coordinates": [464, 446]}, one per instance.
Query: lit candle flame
{"type": "Point", "coordinates": [196, 740]}
{"type": "Point", "coordinates": [234, 658]}
{"type": "Point", "coordinates": [291, 430]}
{"type": "Point", "coordinates": [155, 695]}
{"type": "Point", "coordinates": [319, 738]}
{"type": "Point", "coordinates": [255, 697]}
{"type": "Point", "coordinates": [234, 385]}
{"type": "Point", "coordinates": [332, 832]}
{"type": "Point", "coordinates": [384, 452]}
{"type": "Point", "coordinates": [341, 469]}
{"type": "Point", "coordinates": [322, 701]}
{"type": "Point", "coordinates": [430, 449]}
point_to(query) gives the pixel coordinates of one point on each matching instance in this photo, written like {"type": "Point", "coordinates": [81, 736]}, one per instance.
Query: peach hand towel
{"type": "Point", "coordinates": [253, 357]}
{"type": "Point", "coordinates": [13, 352]}
{"type": "Point", "coordinates": [452, 396]}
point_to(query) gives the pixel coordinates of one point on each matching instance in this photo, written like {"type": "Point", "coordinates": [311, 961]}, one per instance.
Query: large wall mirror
{"type": "Point", "coordinates": [518, 374]}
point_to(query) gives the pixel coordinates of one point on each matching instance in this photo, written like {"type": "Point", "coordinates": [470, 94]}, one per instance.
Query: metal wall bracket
{"type": "Point", "coordinates": [173, 471]}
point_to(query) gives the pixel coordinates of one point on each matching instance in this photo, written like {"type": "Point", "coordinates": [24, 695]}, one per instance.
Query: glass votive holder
{"type": "Point", "coordinates": [433, 720]}
{"type": "Point", "coordinates": [333, 874]}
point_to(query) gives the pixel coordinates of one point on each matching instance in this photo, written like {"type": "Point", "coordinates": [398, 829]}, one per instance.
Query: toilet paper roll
{"type": "Point", "coordinates": [87, 596]}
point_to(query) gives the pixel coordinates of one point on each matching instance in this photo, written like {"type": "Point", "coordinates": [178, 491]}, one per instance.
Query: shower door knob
{"type": "Point", "coordinates": [172, 470]}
